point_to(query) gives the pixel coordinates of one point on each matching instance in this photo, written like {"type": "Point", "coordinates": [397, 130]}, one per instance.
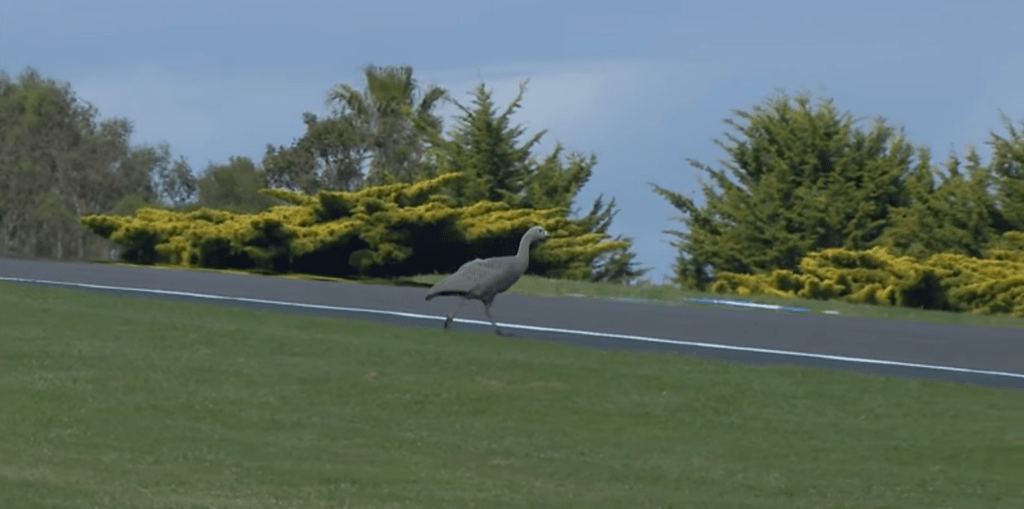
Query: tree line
{"type": "Point", "coordinates": [800, 176]}
{"type": "Point", "coordinates": [387, 132]}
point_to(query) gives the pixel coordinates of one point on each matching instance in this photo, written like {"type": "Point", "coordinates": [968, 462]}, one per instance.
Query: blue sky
{"type": "Point", "coordinates": [643, 84]}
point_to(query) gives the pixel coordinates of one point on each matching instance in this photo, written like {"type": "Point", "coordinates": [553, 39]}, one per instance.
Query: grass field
{"type": "Point", "coordinates": [118, 402]}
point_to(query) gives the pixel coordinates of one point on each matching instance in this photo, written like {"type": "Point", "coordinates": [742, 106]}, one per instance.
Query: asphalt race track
{"type": "Point", "coordinates": [972, 354]}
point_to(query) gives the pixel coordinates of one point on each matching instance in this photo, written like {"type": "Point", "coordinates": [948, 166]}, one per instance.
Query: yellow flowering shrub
{"type": "Point", "coordinates": [949, 281]}
{"type": "Point", "coordinates": [982, 286]}
{"type": "Point", "coordinates": [1009, 247]}
{"type": "Point", "coordinates": [388, 230]}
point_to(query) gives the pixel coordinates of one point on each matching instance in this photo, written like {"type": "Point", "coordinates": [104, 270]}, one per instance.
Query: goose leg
{"type": "Point", "coordinates": [451, 316]}
{"type": "Point", "coordinates": [487, 310]}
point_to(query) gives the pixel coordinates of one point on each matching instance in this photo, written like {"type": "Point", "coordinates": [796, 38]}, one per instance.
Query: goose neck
{"type": "Point", "coordinates": [524, 247]}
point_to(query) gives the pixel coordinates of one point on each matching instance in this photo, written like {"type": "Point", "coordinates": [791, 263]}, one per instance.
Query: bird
{"type": "Point", "coordinates": [484, 278]}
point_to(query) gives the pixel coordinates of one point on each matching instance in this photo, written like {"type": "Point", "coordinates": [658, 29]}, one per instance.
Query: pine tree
{"type": "Point", "coordinates": [496, 159]}
{"type": "Point", "coordinates": [954, 215]}
{"type": "Point", "coordinates": [485, 147]}
{"type": "Point", "coordinates": [1008, 167]}
{"type": "Point", "coordinates": [618, 265]}
{"type": "Point", "coordinates": [799, 177]}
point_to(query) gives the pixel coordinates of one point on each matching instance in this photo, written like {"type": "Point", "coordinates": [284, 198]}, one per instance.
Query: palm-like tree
{"type": "Point", "coordinates": [387, 114]}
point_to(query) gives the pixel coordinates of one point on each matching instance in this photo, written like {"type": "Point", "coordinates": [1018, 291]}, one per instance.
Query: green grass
{"type": "Point", "coordinates": [114, 402]}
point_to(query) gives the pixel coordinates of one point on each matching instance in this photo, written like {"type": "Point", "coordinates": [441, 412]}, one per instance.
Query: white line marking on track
{"type": "Point", "coordinates": [630, 337]}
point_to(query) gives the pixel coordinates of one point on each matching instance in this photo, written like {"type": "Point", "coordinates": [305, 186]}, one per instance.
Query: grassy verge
{"type": "Point", "coordinates": [116, 402]}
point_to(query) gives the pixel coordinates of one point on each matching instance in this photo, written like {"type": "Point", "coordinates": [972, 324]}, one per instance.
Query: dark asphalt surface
{"type": "Point", "coordinates": [971, 347]}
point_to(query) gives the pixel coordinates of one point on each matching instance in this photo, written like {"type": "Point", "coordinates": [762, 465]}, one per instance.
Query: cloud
{"type": "Point", "coordinates": [210, 116]}
{"type": "Point", "coordinates": [575, 101]}
{"type": "Point", "coordinates": [205, 117]}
